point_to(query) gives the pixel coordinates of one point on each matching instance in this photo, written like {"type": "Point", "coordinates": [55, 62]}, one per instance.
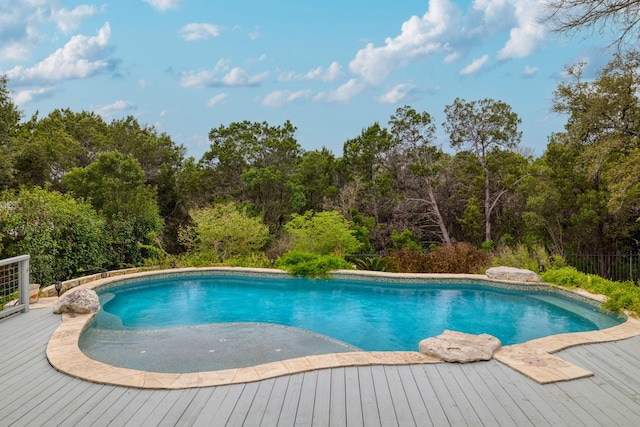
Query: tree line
{"type": "Point", "coordinates": [82, 194]}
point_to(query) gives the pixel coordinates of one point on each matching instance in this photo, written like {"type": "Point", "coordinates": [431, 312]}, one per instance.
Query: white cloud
{"type": "Point", "coordinates": [397, 94]}
{"type": "Point", "coordinates": [475, 66]}
{"type": "Point", "coordinates": [344, 93]}
{"type": "Point", "coordinates": [117, 109]}
{"type": "Point", "coordinates": [202, 31]}
{"type": "Point", "coordinates": [280, 98]}
{"type": "Point", "coordinates": [446, 29]}
{"type": "Point", "coordinates": [163, 5]}
{"type": "Point", "coordinates": [20, 23]}
{"type": "Point", "coordinates": [217, 99]}
{"type": "Point", "coordinates": [419, 38]}
{"type": "Point", "coordinates": [317, 74]}
{"type": "Point", "coordinates": [527, 36]}
{"type": "Point", "coordinates": [529, 71]}
{"type": "Point", "coordinates": [236, 77]}
{"type": "Point", "coordinates": [28, 95]}
{"type": "Point", "coordinates": [80, 57]}
{"type": "Point", "coordinates": [69, 20]}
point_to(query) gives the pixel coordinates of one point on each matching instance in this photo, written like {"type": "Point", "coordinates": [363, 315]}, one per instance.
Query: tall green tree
{"type": "Point", "coordinates": [481, 127]}
{"type": "Point", "coordinates": [116, 188]}
{"type": "Point", "coordinates": [256, 163]}
{"type": "Point", "coordinates": [9, 120]}
{"type": "Point", "coordinates": [413, 137]}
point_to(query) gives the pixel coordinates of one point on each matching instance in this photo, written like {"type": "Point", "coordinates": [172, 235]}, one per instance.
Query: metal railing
{"type": "Point", "coordinates": [613, 266]}
{"type": "Point", "coordinates": [14, 285]}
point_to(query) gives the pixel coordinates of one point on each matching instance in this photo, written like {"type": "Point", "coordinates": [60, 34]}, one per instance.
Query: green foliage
{"type": "Point", "coordinates": [409, 260]}
{"type": "Point", "coordinates": [621, 296]}
{"type": "Point", "coordinates": [62, 235]}
{"type": "Point", "coordinates": [116, 188]}
{"type": "Point", "coordinates": [522, 256]}
{"type": "Point", "coordinates": [222, 232]}
{"type": "Point", "coordinates": [322, 233]}
{"type": "Point", "coordinates": [305, 264]}
{"type": "Point", "coordinates": [374, 263]}
{"type": "Point", "coordinates": [404, 240]}
{"type": "Point", "coordinates": [457, 258]}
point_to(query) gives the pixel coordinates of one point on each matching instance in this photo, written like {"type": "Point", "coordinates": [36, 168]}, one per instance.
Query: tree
{"type": "Point", "coordinates": [116, 188]}
{"type": "Point", "coordinates": [322, 233]}
{"type": "Point", "coordinates": [224, 231]}
{"type": "Point", "coordinates": [413, 135]}
{"type": "Point", "coordinates": [9, 120]}
{"type": "Point", "coordinates": [481, 127]}
{"type": "Point", "coordinates": [63, 236]}
{"type": "Point", "coordinates": [620, 17]}
{"type": "Point", "coordinates": [255, 162]}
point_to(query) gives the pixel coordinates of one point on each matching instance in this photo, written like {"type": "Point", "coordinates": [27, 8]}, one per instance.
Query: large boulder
{"type": "Point", "coordinates": [452, 346]}
{"type": "Point", "coordinates": [80, 301]}
{"type": "Point", "coordinates": [512, 274]}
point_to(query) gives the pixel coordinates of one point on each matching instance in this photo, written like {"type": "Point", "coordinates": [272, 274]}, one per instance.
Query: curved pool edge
{"type": "Point", "coordinates": [533, 359]}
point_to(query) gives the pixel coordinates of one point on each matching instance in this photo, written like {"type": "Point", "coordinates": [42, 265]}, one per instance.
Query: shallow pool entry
{"type": "Point", "coordinates": [186, 314]}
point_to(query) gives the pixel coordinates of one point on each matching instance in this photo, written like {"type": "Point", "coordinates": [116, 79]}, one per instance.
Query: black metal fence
{"type": "Point", "coordinates": [616, 266]}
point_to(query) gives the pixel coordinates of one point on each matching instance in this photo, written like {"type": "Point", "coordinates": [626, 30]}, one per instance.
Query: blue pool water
{"type": "Point", "coordinates": [373, 316]}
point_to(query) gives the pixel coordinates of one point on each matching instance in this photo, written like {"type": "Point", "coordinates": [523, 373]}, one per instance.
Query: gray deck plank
{"type": "Point", "coordinates": [35, 394]}
{"type": "Point", "coordinates": [224, 410]}
{"type": "Point", "coordinates": [352, 397]}
{"type": "Point", "coordinates": [291, 399]}
{"type": "Point", "coordinates": [437, 416]}
{"type": "Point", "coordinates": [176, 403]}
{"type": "Point", "coordinates": [402, 404]}
{"type": "Point", "coordinates": [276, 400]}
{"type": "Point", "coordinates": [255, 413]}
{"type": "Point", "coordinates": [370, 414]}
{"type": "Point", "coordinates": [304, 412]}
{"type": "Point", "coordinates": [338, 400]}
{"type": "Point", "coordinates": [244, 403]}
{"type": "Point", "coordinates": [322, 402]}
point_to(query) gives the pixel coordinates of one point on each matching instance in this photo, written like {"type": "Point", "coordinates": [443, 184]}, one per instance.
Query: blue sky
{"type": "Point", "coordinates": [332, 68]}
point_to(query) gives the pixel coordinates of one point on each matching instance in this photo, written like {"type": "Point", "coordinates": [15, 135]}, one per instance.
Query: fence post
{"type": "Point", "coordinates": [23, 278]}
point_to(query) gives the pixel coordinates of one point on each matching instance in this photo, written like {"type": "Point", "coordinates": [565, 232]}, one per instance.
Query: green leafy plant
{"type": "Point", "coordinates": [374, 263]}
{"type": "Point", "coordinates": [521, 256]}
{"type": "Point", "coordinates": [306, 264]}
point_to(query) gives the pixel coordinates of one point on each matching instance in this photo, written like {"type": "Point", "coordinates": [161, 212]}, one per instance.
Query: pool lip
{"type": "Point", "coordinates": [533, 358]}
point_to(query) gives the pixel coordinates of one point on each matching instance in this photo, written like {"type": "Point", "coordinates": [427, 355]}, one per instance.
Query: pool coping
{"type": "Point", "coordinates": [534, 358]}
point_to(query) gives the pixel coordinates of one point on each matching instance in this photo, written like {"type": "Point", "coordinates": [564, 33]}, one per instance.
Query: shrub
{"type": "Point", "coordinates": [457, 258]}
{"type": "Point", "coordinates": [374, 263]}
{"type": "Point", "coordinates": [306, 264]}
{"type": "Point", "coordinates": [620, 295]}
{"type": "Point", "coordinates": [322, 233]}
{"type": "Point", "coordinates": [522, 257]}
{"type": "Point", "coordinates": [409, 260]}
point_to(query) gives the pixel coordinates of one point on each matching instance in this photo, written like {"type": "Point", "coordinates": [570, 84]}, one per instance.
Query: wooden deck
{"type": "Point", "coordinates": [479, 394]}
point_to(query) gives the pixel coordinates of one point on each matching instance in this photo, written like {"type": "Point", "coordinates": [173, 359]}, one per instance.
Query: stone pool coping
{"type": "Point", "coordinates": [533, 359]}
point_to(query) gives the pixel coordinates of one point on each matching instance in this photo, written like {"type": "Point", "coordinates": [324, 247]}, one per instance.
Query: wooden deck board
{"type": "Point", "coordinates": [488, 393]}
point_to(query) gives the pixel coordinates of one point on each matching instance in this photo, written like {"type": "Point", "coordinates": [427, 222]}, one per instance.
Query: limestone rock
{"type": "Point", "coordinates": [513, 274]}
{"type": "Point", "coordinates": [80, 301]}
{"type": "Point", "coordinates": [452, 346]}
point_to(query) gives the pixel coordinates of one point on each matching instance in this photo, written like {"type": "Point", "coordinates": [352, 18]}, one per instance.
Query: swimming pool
{"type": "Point", "coordinates": [372, 315]}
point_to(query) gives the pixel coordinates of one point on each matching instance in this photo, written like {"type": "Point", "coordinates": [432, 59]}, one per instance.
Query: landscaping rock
{"type": "Point", "coordinates": [80, 301]}
{"type": "Point", "coordinates": [452, 346]}
{"type": "Point", "coordinates": [512, 274]}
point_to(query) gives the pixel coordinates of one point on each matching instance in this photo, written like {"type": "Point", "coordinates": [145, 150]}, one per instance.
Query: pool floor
{"type": "Point", "coordinates": [205, 348]}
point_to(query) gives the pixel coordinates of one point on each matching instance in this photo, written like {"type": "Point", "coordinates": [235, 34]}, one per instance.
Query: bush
{"type": "Point", "coordinates": [621, 296]}
{"type": "Point", "coordinates": [457, 258]}
{"type": "Point", "coordinates": [374, 263]}
{"type": "Point", "coordinates": [522, 257]}
{"type": "Point", "coordinates": [409, 260]}
{"type": "Point", "coordinates": [306, 264]}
